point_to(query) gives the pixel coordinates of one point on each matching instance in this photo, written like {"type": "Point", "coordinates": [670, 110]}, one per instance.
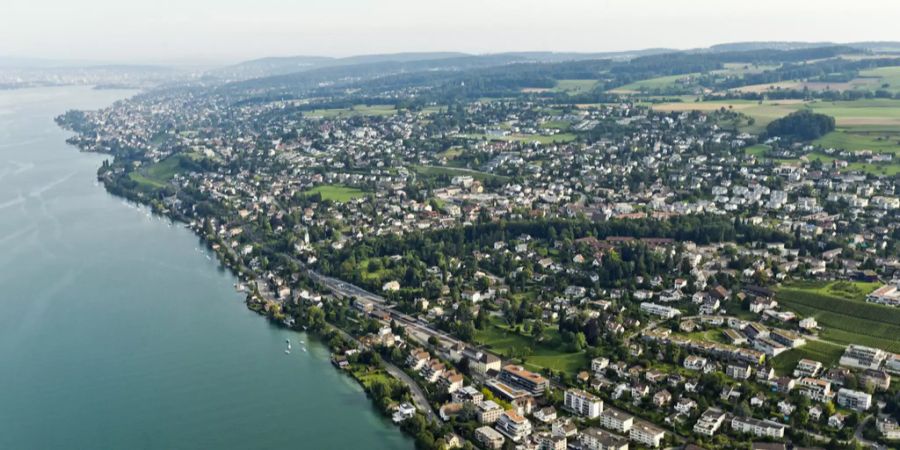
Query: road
{"type": "Point", "coordinates": [418, 395]}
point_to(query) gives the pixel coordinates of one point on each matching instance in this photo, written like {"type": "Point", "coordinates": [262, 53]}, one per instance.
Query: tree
{"type": "Point", "coordinates": [537, 330]}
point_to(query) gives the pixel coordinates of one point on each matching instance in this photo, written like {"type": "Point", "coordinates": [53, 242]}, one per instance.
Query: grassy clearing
{"type": "Point", "coordinates": [336, 192]}
{"type": "Point", "coordinates": [841, 309]}
{"type": "Point", "coordinates": [758, 150]}
{"type": "Point", "coordinates": [824, 352]}
{"type": "Point", "coordinates": [548, 354]}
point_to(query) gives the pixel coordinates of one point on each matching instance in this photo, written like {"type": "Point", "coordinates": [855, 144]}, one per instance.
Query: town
{"type": "Point", "coordinates": [536, 272]}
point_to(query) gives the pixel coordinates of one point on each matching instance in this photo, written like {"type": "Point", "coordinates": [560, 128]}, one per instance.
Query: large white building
{"type": "Point", "coordinates": [757, 427]}
{"type": "Point", "coordinates": [709, 422]}
{"type": "Point", "coordinates": [860, 357]}
{"type": "Point", "coordinates": [857, 400]}
{"type": "Point", "coordinates": [583, 403]}
{"type": "Point", "coordinates": [659, 310]}
{"type": "Point", "coordinates": [513, 425]}
{"type": "Point", "coordinates": [647, 434]}
{"type": "Point", "coordinates": [597, 439]}
{"type": "Point", "coordinates": [615, 420]}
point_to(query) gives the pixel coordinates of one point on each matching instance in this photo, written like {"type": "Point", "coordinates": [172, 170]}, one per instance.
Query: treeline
{"type": "Point", "coordinates": [435, 247]}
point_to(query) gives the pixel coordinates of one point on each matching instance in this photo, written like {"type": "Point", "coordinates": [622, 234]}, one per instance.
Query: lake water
{"type": "Point", "coordinates": [119, 331]}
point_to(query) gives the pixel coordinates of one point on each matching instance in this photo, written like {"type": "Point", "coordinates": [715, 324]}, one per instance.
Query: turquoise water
{"type": "Point", "coordinates": [118, 331]}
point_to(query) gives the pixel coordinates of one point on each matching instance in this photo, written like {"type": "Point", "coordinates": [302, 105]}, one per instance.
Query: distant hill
{"type": "Point", "coordinates": [274, 66]}
{"type": "Point", "coordinates": [884, 46]}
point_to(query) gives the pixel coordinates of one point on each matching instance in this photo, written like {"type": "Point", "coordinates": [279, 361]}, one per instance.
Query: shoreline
{"type": "Point", "coordinates": [253, 299]}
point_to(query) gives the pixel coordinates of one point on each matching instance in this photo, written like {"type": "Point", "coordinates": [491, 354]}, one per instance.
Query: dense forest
{"type": "Point", "coordinates": [803, 125]}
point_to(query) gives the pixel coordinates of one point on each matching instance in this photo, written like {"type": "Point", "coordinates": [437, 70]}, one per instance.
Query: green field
{"type": "Point", "coordinates": [842, 312]}
{"type": "Point", "coordinates": [336, 192]}
{"type": "Point", "coordinates": [848, 139]}
{"type": "Point", "coordinates": [356, 110]}
{"type": "Point", "coordinates": [659, 83]}
{"type": "Point", "coordinates": [826, 353]}
{"type": "Point", "coordinates": [549, 354]}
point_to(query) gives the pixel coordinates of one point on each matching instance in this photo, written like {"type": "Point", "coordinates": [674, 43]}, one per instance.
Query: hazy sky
{"type": "Point", "coordinates": [230, 30]}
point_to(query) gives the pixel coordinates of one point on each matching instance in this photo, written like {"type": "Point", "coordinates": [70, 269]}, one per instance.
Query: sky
{"type": "Point", "coordinates": [226, 31]}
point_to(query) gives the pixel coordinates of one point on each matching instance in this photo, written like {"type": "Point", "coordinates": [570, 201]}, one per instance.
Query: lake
{"type": "Point", "coordinates": [118, 329]}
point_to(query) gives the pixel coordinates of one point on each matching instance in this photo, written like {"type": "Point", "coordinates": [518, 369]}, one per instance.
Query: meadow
{"type": "Point", "coordinates": [356, 110]}
{"type": "Point", "coordinates": [158, 175]}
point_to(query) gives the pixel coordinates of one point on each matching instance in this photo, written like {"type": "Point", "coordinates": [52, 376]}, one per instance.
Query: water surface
{"type": "Point", "coordinates": [117, 330]}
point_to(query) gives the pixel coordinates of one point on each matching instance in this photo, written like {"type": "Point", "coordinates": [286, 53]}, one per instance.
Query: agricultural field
{"type": "Point", "coordinates": [882, 76]}
{"type": "Point", "coordinates": [548, 354]}
{"type": "Point", "coordinates": [862, 114]}
{"type": "Point", "coordinates": [574, 87]}
{"type": "Point", "coordinates": [762, 112]}
{"type": "Point", "coordinates": [336, 192]}
{"type": "Point", "coordinates": [842, 312]}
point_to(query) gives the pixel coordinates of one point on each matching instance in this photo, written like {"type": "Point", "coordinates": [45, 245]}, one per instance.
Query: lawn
{"type": "Point", "coordinates": [336, 192]}
{"type": "Point", "coordinates": [842, 312]}
{"type": "Point", "coordinates": [826, 353]}
{"type": "Point", "coordinates": [548, 354]}
{"type": "Point", "coordinates": [557, 124]}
